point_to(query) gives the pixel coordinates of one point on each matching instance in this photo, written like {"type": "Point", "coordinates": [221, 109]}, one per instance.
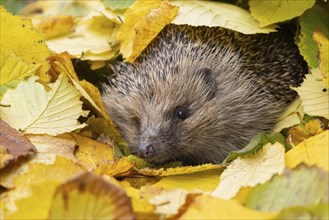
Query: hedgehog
{"type": "Point", "coordinates": [197, 93]}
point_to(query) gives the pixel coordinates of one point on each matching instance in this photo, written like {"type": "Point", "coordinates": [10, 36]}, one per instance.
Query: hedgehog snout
{"type": "Point", "coordinates": [146, 150]}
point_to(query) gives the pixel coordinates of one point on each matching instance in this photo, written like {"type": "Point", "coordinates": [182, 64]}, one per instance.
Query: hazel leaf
{"type": "Point", "coordinates": [270, 12]}
{"type": "Point", "coordinates": [143, 21]}
{"type": "Point", "coordinates": [212, 14]}
{"type": "Point", "coordinates": [19, 36]}
{"type": "Point", "coordinates": [31, 109]}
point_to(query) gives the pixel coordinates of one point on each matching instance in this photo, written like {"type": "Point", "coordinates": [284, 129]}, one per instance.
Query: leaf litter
{"type": "Point", "coordinates": [81, 161]}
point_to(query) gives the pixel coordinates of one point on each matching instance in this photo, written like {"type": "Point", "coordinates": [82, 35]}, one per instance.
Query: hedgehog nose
{"type": "Point", "coordinates": [145, 150]}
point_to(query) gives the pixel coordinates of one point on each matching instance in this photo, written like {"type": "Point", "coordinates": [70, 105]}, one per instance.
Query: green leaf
{"type": "Point", "coordinates": [271, 12]}
{"type": "Point", "coordinates": [210, 13]}
{"type": "Point", "coordinates": [118, 4]}
{"type": "Point", "coordinates": [303, 186]}
{"type": "Point", "coordinates": [314, 19]}
{"type": "Point", "coordinates": [256, 143]}
{"type": "Point", "coordinates": [320, 211]}
{"type": "Point", "coordinates": [31, 109]}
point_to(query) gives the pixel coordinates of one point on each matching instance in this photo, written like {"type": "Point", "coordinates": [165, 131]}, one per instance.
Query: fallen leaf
{"type": "Point", "coordinates": [299, 133]}
{"type": "Point", "coordinates": [323, 44]}
{"type": "Point", "coordinates": [212, 14]}
{"type": "Point", "coordinates": [303, 186]}
{"type": "Point", "coordinates": [291, 116]}
{"type": "Point", "coordinates": [13, 145]}
{"type": "Point", "coordinates": [320, 211]}
{"type": "Point", "coordinates": [139, 203]}
{"type": "Point", "coordinates": [91, 153]}
{"type": "Point", "coordinates": [168, 202]}
{"type": "Point", "coordinates": [94, 38]}
{"type": "Point", "coordinates": [313, 151]}
{"type": "Point", "coordinates": [57, 26]}
{"type": "Point", "coordinates": [143, 21]}
{"type": "Point", "coordinates": [117, 168]}
{"type": "Point", "coordinates": [316, 18]}
{"type": "Point", "coordinates": [33, 110]}
{"type": "Point", "coordinates": [271, 12]}
{"type": "Point", "coordinates": [204, 181]}
{"type": "Point", "coordinates": [207, 207]}
{"type": "Point", "coordinates": [314, 95]}
{"type": "Point", "coordinates": [12, 67]}
{"type": "Point", "coordinates": [44, 176]}
{"type": "Point", "coordinates": [251, 170]}
{"type": "Point", "coordinates": [50, 147]}
{"type": "Point", "coordinates": [15, 31]}
{"type": "Point", "coordinates": [118, 4]}
{"type": "Point", "coordinates": [179, 170]}
{"type": "Point", "coordinates": [255, 144]}
{"type": "Point", "coordinates": [89, 196]}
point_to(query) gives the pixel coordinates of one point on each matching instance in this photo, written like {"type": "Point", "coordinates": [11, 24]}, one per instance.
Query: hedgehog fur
{"type": "Point", "coordinates": [197, 93]}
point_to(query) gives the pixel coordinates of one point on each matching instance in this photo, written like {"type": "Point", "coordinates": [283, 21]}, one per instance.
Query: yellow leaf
{"type": "Point", "coordinates": [92, 153]}
{"type": "Point", "coordinates": [38, 175]}
{"type": "Point", "coordinates": [94, 38]}
{"type": "Point", "coordinates": [205, 181]}
{"type": "Point", "coordinates": [37, 204]}
{"type": "Point", "coordinates": [33, 110]}
{"type": "Point", "coordinates": [18, 36]}
{"type": "Point", "coordinates": [251, 170]}
{"type": "Point", "coordinates": [57, 26]}
{"type": "Point", "coordinates": [139, 203]}
{"type": "Point", "coordinates": [207, 207]}
{"type": "Point", "coordinates": [211, 13]}
{"type": "Point", "coordinates": [143, 21]}
{"type": "Point", "coordinates": [291, 116]}
{"type": "Point", "coordinates": [270, 12]}
{"type": "Point", "coordinates": [120, 168]}
{"type": "Point", "coordinates": [314, 95]}
{"type": "Point", "coordinates": [5, 157]}
{"type": "Point", "coordinates": [89, 196]}
{"type": "Point", "coordinates": [313, 151]}
{"type": "Point", "coordinates": [13, 67]}
{"type": "Point", "coordinates": [62, 63]}
{"type": "Point", "coordinates": [300, 133]}
{"type": "Point", "coordinates": [168, 202]}
{"type": "Point", "coordinates": [323, 44]}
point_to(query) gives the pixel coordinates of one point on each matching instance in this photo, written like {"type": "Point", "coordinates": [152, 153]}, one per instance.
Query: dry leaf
{"type": "Point", "coordinates": [251, 170]}
{"type": "Point", "coordinates": [323, 44]}
{"type": "Point", "coordinates": [143, 21]}
{"type": "Point", "coordinates": [57, 26]}
{"type": "Point", "coordinates": [271, 12]}
{"type": "Point", "coordinates": [38, 175]}
{"type": "Point", "coordinates": [179, 170]}
{"type": "Point", "coordinates": [89, 196]}
{"type": "Point", "coordinates": [212, 14]}
{"type": "Point", "coordinates": [314, 95]}
{"type": "Point", "coordinates": [13, 145]}
{"type": "Point", "coordinates": [33, 110]}
{"type": "Point", "coordinates": [300, 133]}
{"type": "Point", "coordinates": [14, 32]}
{"type": "Point", "coordinates": [207, 207]}
{"type": "Point", "coordinates": [313, 151]}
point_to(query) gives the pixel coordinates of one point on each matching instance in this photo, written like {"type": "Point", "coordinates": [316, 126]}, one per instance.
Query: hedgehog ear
{"type": "Point", "coordinates": [209, 80]}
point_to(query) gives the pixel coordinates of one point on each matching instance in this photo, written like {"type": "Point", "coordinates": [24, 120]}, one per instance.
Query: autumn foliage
{"type": "Point", "coordinates": [63, 158]}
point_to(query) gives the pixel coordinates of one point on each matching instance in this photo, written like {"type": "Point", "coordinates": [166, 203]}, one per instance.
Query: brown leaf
{"type": "Point", "coordinates": [14, 145]}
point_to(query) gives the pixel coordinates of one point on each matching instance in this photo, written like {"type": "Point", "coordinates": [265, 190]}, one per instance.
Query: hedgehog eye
{"type": "Point", "coordinates": [181, 113]}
